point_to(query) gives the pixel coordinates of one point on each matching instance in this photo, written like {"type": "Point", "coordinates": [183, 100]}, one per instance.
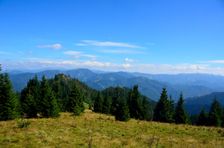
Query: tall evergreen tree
{"type": "Point", "coordinates": [29, 98]}
{"type": "Point", "coordinates": [180, 114]}
{"type": "Point", "coordinates": [8, 99]}
{"type": "Point", "coordinates": [107, 104]}
{"type": "Point", "coordinates": [215, 114]}
{"type": "Point", "coordinates": [98, 103]}
{"type": "Point", "coordinates": [162, 109]}
{"type": "Point", "coordinates": [202, 118]}
{"type": "Point", "coordinates": [222, 117]}
{"type": "Point", "coordinates": [48, 104]}
{"type": "Point", "coordinates": [147, 109]}
{"type": "Point", "coordinates": [75, 102]}
{"type": "Point", "coordinates": [135, 104]}
{"type": "Point", "coordinates": [171, 111]}
{"type": "Point", "coordinates": [61, 86]}
{"type": "Point", "coordinates": [122, 111]}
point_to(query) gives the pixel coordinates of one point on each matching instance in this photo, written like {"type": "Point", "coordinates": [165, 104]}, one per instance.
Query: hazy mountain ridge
{"type": "Point", "coordinates": [149, 84]}
{"type": "Point", "coordinates": [195, 104]}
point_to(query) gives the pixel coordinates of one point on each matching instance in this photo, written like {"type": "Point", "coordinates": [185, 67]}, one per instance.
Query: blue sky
{"type": "Point", "coordinates": [151, 36]}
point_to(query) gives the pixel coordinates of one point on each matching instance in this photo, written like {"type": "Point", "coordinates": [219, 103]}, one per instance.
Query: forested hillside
{"type": "Point", "coordinates": [191, 85]}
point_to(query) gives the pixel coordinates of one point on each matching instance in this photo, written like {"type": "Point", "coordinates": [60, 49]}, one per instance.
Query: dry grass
{"type": "Point", "coordinates": [97, 130]}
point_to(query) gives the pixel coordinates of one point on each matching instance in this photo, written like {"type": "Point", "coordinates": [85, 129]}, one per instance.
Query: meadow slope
{"type": "Point", "coordinates": [98, 130]}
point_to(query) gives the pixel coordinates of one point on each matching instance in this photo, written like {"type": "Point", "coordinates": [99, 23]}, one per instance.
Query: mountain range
{"type": "Point", "coordinates": [150, 85]}
{"type": "Point", "coordinates": [199, 90]}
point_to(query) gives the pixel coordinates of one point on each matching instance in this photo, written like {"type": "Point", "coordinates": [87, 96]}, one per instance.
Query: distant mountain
{"type": "Point", "coordinates": [149, 85]}
{"type": "Point", "coordinates": [195, 104]}
{"type": "Point", "coordinates": [214, 82]}
{"type": "Point", "coordinates": [19, 80]}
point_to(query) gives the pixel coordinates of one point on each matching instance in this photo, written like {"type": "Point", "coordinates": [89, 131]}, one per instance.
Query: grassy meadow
{"type": "Point", "coordinates": [98, 130]}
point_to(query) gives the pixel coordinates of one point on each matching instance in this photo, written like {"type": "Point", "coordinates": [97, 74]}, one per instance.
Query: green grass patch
{"type": "Point", "coordinates": [98, 130]}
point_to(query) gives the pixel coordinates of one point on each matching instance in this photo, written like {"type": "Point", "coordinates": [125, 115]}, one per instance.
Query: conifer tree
{"type": "Point", "coordinates": [75, 102]}
{"type": "Point", "coordinates": [222, 117]}
{"type": "Point", "coordinates": [98, 103]}
{"type": "Point", "coordinates": [202, 118]}
{"type": "Point", "coordinates": [215, 114]}
{"type": "Point", "coordinates": [162, 109]}
{"type": "Point", "coordinates": [135, 104]}
{"type": "Point", "coordinates": [180, 114]}
{"type": "Point", "coordinates": [122, 111]}
{"type": "Point", "coordinates": [29, 98]}
{"type": "Point", "coordinates": [146, 108]}
{"type": "Point", "coordinates": [48, 104]}
{"type": "Point", "coordinates": [107, 104]}
{"type": "Point", "coordinates": [62, 88]}
{"type": "Point", "coordinates": [8, 99]}
{"type": "Point", "coordinates": [171, 111]}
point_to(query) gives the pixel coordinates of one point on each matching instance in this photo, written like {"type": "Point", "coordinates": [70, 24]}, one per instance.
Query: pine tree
{"type": "Point", "coordinates": [202, 118]}
{"type": "Point", "coordinates": [135, 104]}
{"type": "Point", "coordinates": [29, 98]}
{"type": "Point", "coordinates": [171, 111]}
{"type": "Point", "coordinates": [62, 88]}
{"type": "Point", "coordinates": [222, 117]}
{"type": "Point", "coordinates": [147, 109]}
{"type": "Point", "coordinates": [98, 103]}
{"type": "Point", "coordinates": [75, 102]}
{"type": "Point", "coordinates": [107, 104]}
{"type": "Point", "coordinates": [48, 104]}
{"type": "Point", "coordinates": [215, 114]}
{"type": "Point", "coordinates": [162, 109]}
{"type": "Point", "coordinates": [180, 114]}
{"type": "Point", "coordinates": [8, 99]}
{"type": "Point", "coordinates": [122, 111]}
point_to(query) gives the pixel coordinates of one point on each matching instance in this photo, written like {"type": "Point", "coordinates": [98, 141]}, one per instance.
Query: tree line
{"type": "Point", "coordinates": [48, 97]}
{"type": "Point", "coordinates": [166, 111]}
{"type": "Point", "coordinates": [123, 103]}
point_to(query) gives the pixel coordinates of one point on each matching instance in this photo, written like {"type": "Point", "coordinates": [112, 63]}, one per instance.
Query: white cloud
{"type": "Point", "coordinates": [121, 51]}
{"type": "Point", "coordinates": [126, 66]}
{"type": "Point", "coordinates": [78, 54]}
{"type": "Point", "coordinates": [215, 61]}
{"type": "Point", "coordinates": [106, 44]}
{"type": "Point", "coordinates": [75, 54]}
{"type": "Point", "coordinates": [51, 46]}
{"type": "Point", "coordinates": [127, 60]}
{"type": "Point", "coordinates": [36, 63]}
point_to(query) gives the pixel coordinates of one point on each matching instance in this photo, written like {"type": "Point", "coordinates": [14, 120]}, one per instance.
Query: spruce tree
{"type": "Point", "coordinates": [29, 98]}
{"type": "Point", "coordinates": [135, 104]}
{"type": "Point", "coordinates": [98, 103]}
{"type": "Point", "coordinates": [48, 104]}
{"type": "Point", "coordinates": [75, 102]}
{"type": "Point", "coordinates": [222, 117]}
{"type": "Point", "coordinates": [122, 111]}
{"type": "Point", "coordinates": [61, 86]}
{"type": "Point", "coordinates": [180, 114]}
{"type": "Point", "coordinates": [202, 118]}
{"type": "Point", "coordinates": [107, 104]}
{"type": "Point", "coordinates": [215, 114]}
{"type": "Point", "coordinates": [162, 109]}
{"type": "Point", "coordinates": [171, 110]}
{"type": "Point", "coordinates": [8, 99]}
{"type": "Point", "coordinates": [147, 109]}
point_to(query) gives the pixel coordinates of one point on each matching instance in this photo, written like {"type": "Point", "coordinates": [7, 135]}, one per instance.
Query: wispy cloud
{"type": "Point", "coordinates": [78, 54]}
{"type": "Point", "coordinates": [56, 46]}
{"type": "Point", "coordinates": [122, 51]}
{"type": "Point", "coordinates": [106, 44]}
{"type": "Point", "coordinates": [128, 60]}
{"type": "Point", "coordinates": [127, 65]}
{"type": "Point", "coordinates": [215, 62]}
